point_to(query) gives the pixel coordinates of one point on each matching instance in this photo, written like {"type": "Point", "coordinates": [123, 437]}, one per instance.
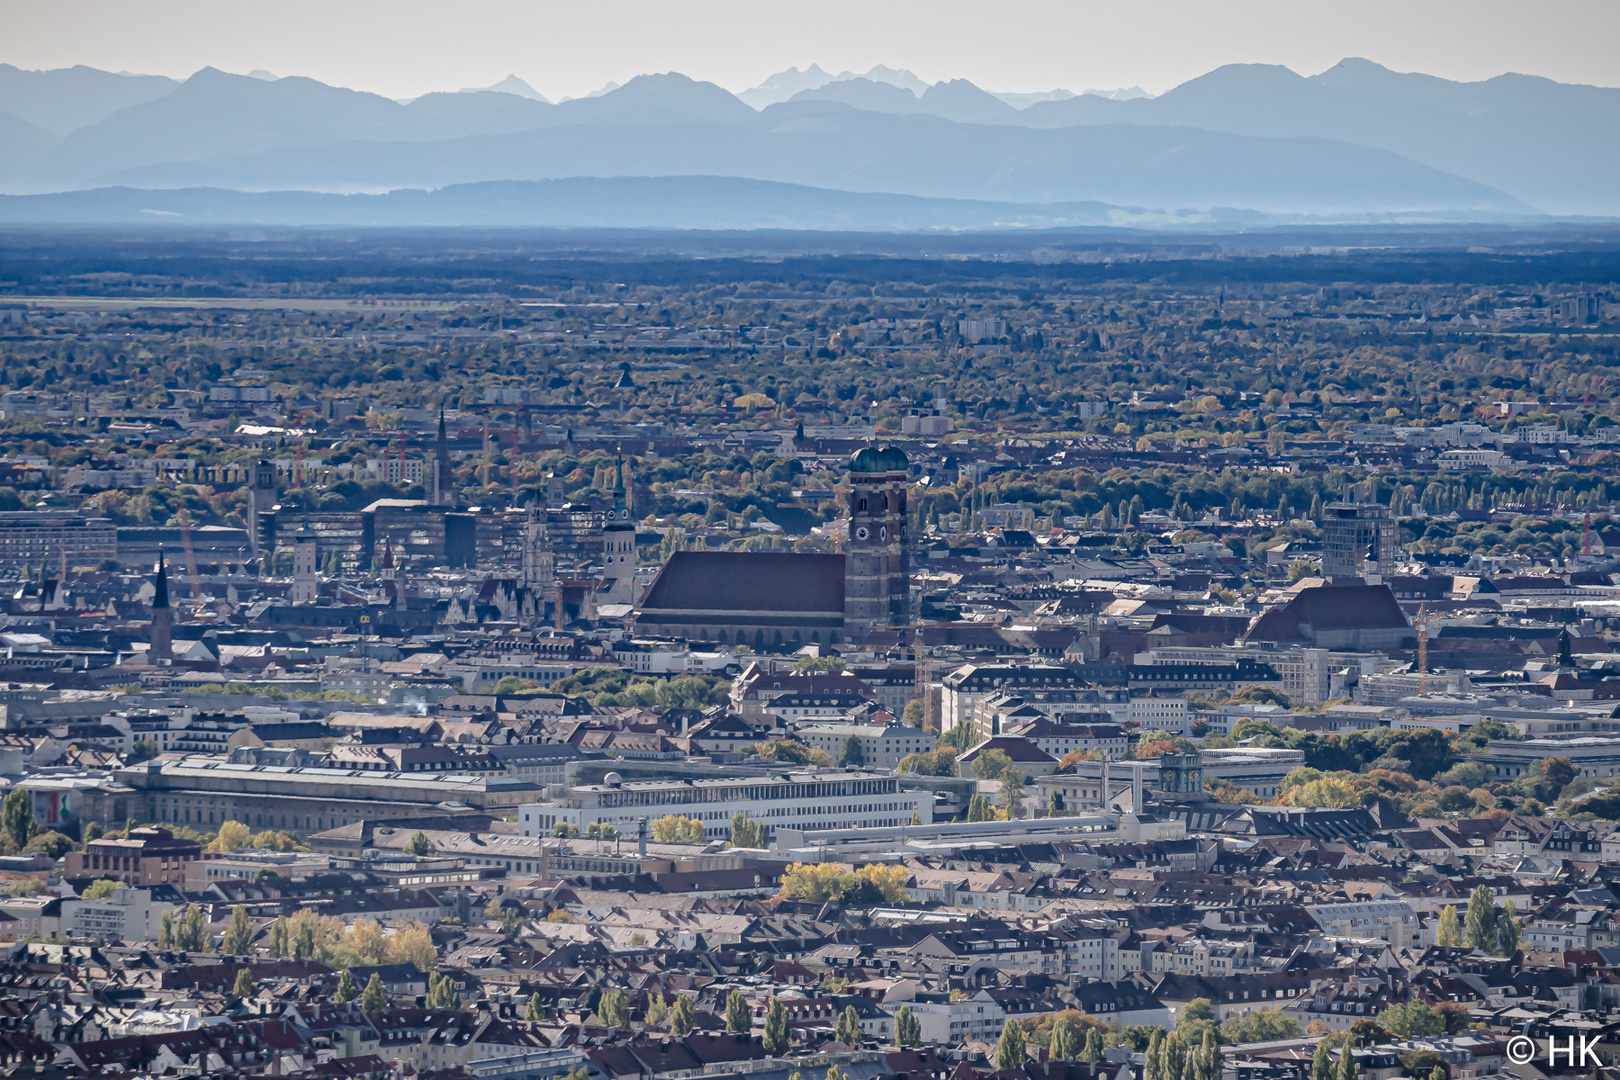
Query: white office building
{"type": "Point", "coordinates": [811, 800]}
{"type": "Point", "coordinates": [1392, 921]}
{"type": "Point", "coordinates": [130, 914]}
{"type": "Point", "coordinates": [1160, 714]}
{"type": "Point", "coordinates": [881, 745]}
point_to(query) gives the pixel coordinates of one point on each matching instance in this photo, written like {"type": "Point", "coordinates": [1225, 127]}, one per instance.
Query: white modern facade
{"type": "Point", "coordinates": [811, 800]}
{"type": "Point", "coordinates": [130, 914]}
{"type": "Point", "coordinates": [1391, 921]}
{"type": "Point", "coordinates": [1160, 714]}
{"type": "Point", "coordinates": [882, 745]}
{"type": "Point", "coordinates": [1307, 674]}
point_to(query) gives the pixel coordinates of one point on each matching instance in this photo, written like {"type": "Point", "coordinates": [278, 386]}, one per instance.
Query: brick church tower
{"type": "Point", "coordinates": [877, 560]}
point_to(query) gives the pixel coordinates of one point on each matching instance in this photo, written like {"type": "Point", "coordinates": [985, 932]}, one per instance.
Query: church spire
{"type": "Point", "coordinates": [160, 583]}
{"type": "Point", "coordinates": [160, 634]}
{"type": "Point", "coordinates": [442, 489]}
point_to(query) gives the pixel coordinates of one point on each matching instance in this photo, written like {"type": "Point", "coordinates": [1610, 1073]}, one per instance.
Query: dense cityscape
{"type": "Point", "coordinates": [502, 659]}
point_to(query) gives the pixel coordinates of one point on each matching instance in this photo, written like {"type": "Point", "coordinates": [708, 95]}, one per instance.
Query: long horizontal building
{"type": "Point", "coordinates": [823, 799]}
{"type": "Point", "coordinates": [963, 689]}
{"type": "Point", "coordinates": [519, 855]}
{"type": "Point", "coordinates": [1595, 756]}
{"type": "Point", "coordinates": [43, 537]}
{"type": "Point", "coordinates": [1257, 769]}
{"type": "Point", "coordinates": [206, 791]}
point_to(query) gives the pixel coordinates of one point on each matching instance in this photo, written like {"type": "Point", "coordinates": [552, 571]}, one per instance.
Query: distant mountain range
{"type": "Point", "coordinates": [627, 202]}
{"type": "Point", "coordinates": [881, 150]}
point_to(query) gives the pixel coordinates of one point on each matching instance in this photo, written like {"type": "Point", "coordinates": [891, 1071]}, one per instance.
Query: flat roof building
{"type": "Point", "coordinates": [821, 799]}
{"type": "Point", "coordinates": [206, 791]}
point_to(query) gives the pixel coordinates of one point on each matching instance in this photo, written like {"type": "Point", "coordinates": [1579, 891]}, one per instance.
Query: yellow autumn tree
{"type": "Point", "coordinates": [811, 883]}
{"type": "Point", "coordinates": [888, 880]}
{"type": "Point", "coordinates": [412, 944]}
{"type": "Point", "coordinates": [367, 939]}
{"type": "Point", "coordinates": [232, 836]}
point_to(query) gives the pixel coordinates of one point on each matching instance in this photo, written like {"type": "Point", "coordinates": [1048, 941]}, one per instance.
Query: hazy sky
{"type": "Point", "coordinates": [568, 47]}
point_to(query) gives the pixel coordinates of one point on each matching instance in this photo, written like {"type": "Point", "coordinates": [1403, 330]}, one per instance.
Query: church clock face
{"type": "Point", "coordinates": [862, 533]}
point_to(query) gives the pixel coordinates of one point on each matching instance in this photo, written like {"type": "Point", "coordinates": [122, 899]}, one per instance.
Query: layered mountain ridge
{"type": "Point", "coordinates": [1354, 141]}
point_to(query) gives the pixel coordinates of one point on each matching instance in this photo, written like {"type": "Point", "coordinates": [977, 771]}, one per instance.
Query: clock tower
{"type": "Point", "coordinates": [619, 544]}
{"type": "Point", "coordinates": [877, 561]}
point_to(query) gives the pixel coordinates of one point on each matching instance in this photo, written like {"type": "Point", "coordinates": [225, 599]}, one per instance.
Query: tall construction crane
{"type": "Point", "coordinates": [183, 520]}
{"type": "Point", "coordinates": [1422, 623]}
{"type": "Point", "coordinates": [923, 675]}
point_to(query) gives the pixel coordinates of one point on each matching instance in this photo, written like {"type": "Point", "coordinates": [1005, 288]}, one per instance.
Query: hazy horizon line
{"type": "Point", "coordinates": [611, 84]}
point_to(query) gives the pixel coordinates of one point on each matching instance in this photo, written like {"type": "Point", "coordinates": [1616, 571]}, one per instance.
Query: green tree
{"type": "Point", "coordinates": [992, 765]}
{"type": "Point", "coordinates": [1209, 1058]}
{"type": "Point", "coordinates": [1322, 1062]}
{"type": "Point", "coordinates": [1480, 923]}
{"type": "Point", "coordinates": [1449, 931]}
{"type": "Point", "coordinates": [657, 1010]}
{"type": "Point", "coordinates": [1152, 1055]}
{"type": "Point", "coordinates": [51, 843]}
{"type": "Point", "coordinates": [100, 889]}
{"type": "Point", "coordinates": [419, 844]}
{"type": "Point", "coordinates": [195, 926]}
{"type": "Point", "coordinates": [1093, 1050]}
{"type": "Point", "coordinates": [442, 993]}
{"type": "Point", "coordinates": [535, 1011]}
{"type": "Point", "coordinates": [683, 1016]}
{"type": "Point", "coordinates": [613, 1009]}
{"type": "Point", "coordinates": [1507, 929]}
{"type": "Point", "coordinates": [852, 755]}
{"type": "Point", "coordinates": [280, 938]}
{"type": "Point", "coordinates": [1065, 1041]}
{"type": "Point", "coordinates": [849, 1026]}
{"type": "Point", "coordinates": [746, 833]}
{"type": "Point", "coordinates": [1054, 803]}
{"type": "Point", "coordinates": [239, 937]}
{"type": "Point", "coordinates": [675, 829]}
{"type": "Point", "coordinates": [17, 817]}
{"type": "Point", "coordinates": [243, 987]}
{"type": "Point", "coordinates": [738, 1019]}
{"type": "Point", "coordinates": [1010, 1050]}
{"type": "Point", "coordinates": [1347, 1064]}
{"type": "Point", "coordinates": [907, 1028]}
{"type": "Point", "coordinates": [1174, 1047]}
{"type": "Point", "coordinates": [979, 809]}
{"type": "Point", "coordinates": [777, 1042]}
{"type": "Point", "coordinates": [374, 998]}
{"type": "Point", "coordinates": [1266, 1025]}
{"type": "Point", "coordinates": [346, 990]}
{"type": "Point", "coordinates": [166, 929]}
{"type": "Point", "coordinates": [1559, 772]}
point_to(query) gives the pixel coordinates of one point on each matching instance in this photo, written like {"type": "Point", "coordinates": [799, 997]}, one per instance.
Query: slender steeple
{"type": "Point", "coordinates": [621, 504]}
{"type": "Point", "coordinates": [160, 583]}
{"type": "Point", "coordinates": [619, 543]}
{"type": "Point", "coordinates": [162, 615]}
{"type": "Point", "coordinates": [442, 489]}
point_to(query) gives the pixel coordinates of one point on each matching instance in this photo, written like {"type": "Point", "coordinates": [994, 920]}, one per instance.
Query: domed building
{"type": "Point", "coordinates": [785, 599]}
